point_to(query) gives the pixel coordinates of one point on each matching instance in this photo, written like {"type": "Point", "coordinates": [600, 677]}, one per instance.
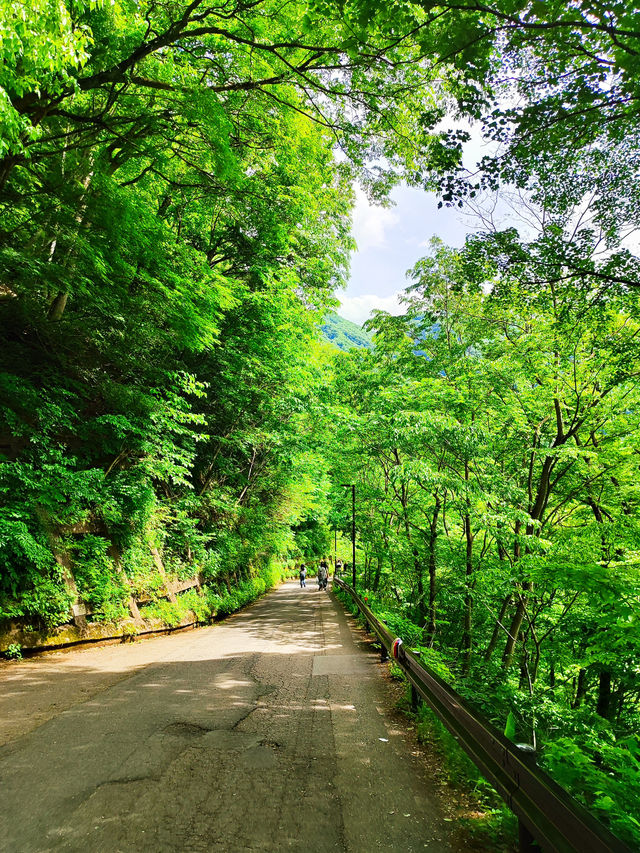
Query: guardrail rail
{"type": "Point", "coordinates": [549, 818]}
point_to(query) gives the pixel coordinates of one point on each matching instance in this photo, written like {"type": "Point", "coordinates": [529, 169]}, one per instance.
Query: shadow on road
{"type": "Point", "coordinates": [261, 732]}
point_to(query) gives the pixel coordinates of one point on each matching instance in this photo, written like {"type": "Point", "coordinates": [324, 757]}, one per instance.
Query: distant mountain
{"type": "Point", "coordinates": [344, 334]}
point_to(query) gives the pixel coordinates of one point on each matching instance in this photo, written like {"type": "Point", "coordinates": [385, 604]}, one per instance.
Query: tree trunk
{"type": "Point", "coordinates": [378, 572]}
{"type": "Point", "coordinates": [581, 689]}
{"type": "Point", "coordinates": [536, 512]}
{"type": "Point", "coordinates": [58, 305]}
{"type": "Point", "coordinates": [603, 708]}
{"type": "Point", "coordinates": [524, 669]}
{"type": "Point", "coordinates": [6, 166]}
{"type": "Point", "coordinates": [422, 608]}
{"type": "Point", "coordinates": [493, 642]}
{"type": "Point", "coordinates": [367, 571]}
{"type": "Point", "coordinates": [516, 625]}
{"type": "Point", "coordinates": [433, 534]}
{"type": "Point", "coordinates": [468, 599]}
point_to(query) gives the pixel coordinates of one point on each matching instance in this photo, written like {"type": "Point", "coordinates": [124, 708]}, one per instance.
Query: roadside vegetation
{"type": "Point", "coordinates": [493, 441]}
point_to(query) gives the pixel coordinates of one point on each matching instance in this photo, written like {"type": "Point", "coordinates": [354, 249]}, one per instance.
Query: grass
{"type": "Point", "coordinates": [486, 821]}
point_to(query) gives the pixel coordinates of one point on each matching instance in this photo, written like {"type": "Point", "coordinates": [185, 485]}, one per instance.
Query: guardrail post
{"type": "Point", "coordinates": [384, 654]}
{"type": "Point", "coordinates": [526, 841]}
{"type": "Point", "coordinates": [415, 699]}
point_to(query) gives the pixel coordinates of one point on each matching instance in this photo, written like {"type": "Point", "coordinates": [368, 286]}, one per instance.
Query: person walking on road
{"type": "Point", "coordinates": [303, 575]}
{"type": "Point", "coordinates": [323, 575]}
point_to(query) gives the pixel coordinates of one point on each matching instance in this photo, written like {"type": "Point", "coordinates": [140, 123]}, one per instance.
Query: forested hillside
{"type": "Point", "coordinates": [344, 334]}
{"type": "Point", "coordinates": [176, 186]}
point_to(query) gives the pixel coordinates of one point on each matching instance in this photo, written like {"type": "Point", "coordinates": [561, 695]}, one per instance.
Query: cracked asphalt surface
{"type": "Point", "coordinates": [267, 732]}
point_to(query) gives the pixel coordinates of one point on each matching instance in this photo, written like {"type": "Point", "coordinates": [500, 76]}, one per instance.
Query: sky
{"type": "Point", "coordinates": [390, 240]}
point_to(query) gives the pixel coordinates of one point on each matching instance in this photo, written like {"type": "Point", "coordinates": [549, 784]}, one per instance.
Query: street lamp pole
{"type": "Point", "coordinates": [353, 529]}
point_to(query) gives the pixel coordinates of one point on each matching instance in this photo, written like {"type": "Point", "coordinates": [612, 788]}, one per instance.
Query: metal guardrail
{"type": "Point", "coordinates": [547, 814]}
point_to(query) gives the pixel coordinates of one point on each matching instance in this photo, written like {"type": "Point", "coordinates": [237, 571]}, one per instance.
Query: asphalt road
{"type": "Point", "coordinates": [267, 732]}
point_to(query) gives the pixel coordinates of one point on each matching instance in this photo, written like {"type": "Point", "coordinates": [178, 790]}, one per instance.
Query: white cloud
{"type": "Point", "coordinates": [358, 308]}
{"type": "Point", "coordinates": [370, 223]}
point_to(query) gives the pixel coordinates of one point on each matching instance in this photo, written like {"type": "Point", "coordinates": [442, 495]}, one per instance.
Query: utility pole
{"type": "Point", "coordinates": [353, 529]}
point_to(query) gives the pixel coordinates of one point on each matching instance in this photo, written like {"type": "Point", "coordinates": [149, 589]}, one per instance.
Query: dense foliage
{"type": "Point", "coordinates": [171, 233]}
{"type": "Point", "coordinates": [344, 334]}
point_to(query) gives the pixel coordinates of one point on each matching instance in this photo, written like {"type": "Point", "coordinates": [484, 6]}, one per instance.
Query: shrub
{"type": "Point", "coordinates": [167, 611]}
{"type": "Point", "coordinates": [14, 651]}
{"type": "Point", "coordinates": [45, 601]}
{"type": "Point", "coordinates": [99, 582]}
{"type": "Point", "coordinates": [192, 602]}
